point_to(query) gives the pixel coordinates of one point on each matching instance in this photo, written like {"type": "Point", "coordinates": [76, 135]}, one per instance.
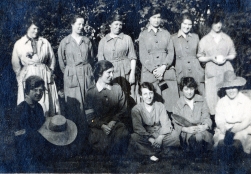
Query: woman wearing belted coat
{"type": "Point", "coordinates": [185, 45]}
{"type": "Point", "coordinates": [118, 48]}
{"type": "Point", "coordinates": [156, 56]}
{"type": "Point", "coordinates": [75, 55]}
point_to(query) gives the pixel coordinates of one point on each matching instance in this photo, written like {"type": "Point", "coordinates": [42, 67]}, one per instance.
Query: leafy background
{"type": "Point", "coordinates": [54, 17]}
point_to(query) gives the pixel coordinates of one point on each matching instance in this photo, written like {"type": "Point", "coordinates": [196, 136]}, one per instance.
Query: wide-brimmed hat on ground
{"type": "Point", "coordinates": [58, 130]}
{"type": "Point", "coordinates": [230, 80]}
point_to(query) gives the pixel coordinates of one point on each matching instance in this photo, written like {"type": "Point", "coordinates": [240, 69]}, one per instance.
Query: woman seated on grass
{"type": "Point", "coordinates": [192, 119]}
{"type": "Point", "coordinates": [105, 104]}
{"type": "Point", "coordinates": [153, 131]}
{"type": "Point", "coordinates": [233, 118]}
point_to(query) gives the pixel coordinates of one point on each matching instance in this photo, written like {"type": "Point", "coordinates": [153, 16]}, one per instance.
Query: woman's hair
{"type": "Point", "coordinates": [189, 82]}
{"type": "Point", "coordinates": [115, 17]}
{"type": "Point", "coordinates": [185, 16]}
{"type": "Point", "coordinates": [73, 18]}
{"type": "Point", "coordinates": [33, 20]}
{"type": "Point", "coordinates": [215, 18]}
{"type": "Point", "coordinates": [100, 67]}
{"type": "Point", "coordinates": [153, 11]}
{"type": "Point", "coordinates": [147, 85]}
{"type": "Point", "coordinates": [33, 82]}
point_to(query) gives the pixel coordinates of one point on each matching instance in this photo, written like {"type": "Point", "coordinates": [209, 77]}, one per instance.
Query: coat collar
{"type": "Point", "coordinates": [69, 39]}
{"type": "Point", "coordinates": [155, 30]}
{"type": "Point", "coordinates": [221, 34]}
{"type": "Point", "coordinates": [108, 37]}
{"type": "Point", "coordinates": [180, 33]}
{"type": "Point", "coordinates": [100, 87]}
{"type": "Point", "coordinates": [25, 39]}
{"type": "Point", "coordinates": [182, 102]}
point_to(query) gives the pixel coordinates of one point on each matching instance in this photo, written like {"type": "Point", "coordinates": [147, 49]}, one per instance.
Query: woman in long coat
{"type": "Point", "coordinates": [192, 108]}
{"type": "Point", "coordinates": [75, 55]}
{"type": "Point", "coordinates": [185, 45]}
{"type": "Point", "coordinates": [216, 49]}
{"type": "Point", "coordinates": [118, 48]}
{"type": "Point", "coordinates": [156, 56]}
{"type": "Point", "coordinates": [33, 55]}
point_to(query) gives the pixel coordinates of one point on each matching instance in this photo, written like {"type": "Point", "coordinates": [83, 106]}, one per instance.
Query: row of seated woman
{"type": "Point", "coordinates": [155, 134]}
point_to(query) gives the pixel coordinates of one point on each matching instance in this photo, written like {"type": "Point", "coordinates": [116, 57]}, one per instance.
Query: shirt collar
{"type": "Point", "coordinates": [26, 39]}
{"type": "Point", "coordinates": [180, 33]}
{"type": "Point", "coordinates": [101, 87]}
{"type": "Point", "coordinates": [238, 99]}
{"type": "Point", "coordinates": [197, 98]}
{"type": "Point", "coordinates": [212, 35]}
{"type": "Point", "coordinates": [109, 37]}
{"type": "Point", "coordinates": [155, 30]}
{"type": "Point", "coordinates": [70, 38]}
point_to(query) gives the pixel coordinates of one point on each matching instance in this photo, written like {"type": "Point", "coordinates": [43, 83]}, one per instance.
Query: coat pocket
{"type": "Point", "coordinates": [71, 80]}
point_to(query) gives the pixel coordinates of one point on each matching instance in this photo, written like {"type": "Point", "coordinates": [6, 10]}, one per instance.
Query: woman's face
{"type": "Point", "coordinates": [78, 26]}
{"type": "Point", "coordinates": [33, 31]}
{"type": "Point", "coordinates": [232, 92]}
{"type": "Point", "coordinates": [217, 27]}
{"type": "Point", "coordinates": [186, 26]}
{"type": "Point", "coordinates": [107, 76]}
{"type": "Point", "coordinates": [147, 96]}
{"type": "Point", "coordinates": [155, 20]}
{"type": "Point", "coordinates": [116, 27]}
{"type": "Point", "coordinates": [188, 92]}
{"type": "Point", "coordinates": [36, 94]}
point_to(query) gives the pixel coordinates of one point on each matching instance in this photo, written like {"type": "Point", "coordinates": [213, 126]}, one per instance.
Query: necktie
{"type": "Point", "coordinates": [33, 44]}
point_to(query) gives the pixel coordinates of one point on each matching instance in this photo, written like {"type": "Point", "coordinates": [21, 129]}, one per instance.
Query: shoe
{"type": "Point", "coordinates": [154, 158]}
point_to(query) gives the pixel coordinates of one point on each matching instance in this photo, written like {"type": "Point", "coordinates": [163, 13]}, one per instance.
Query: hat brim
{"type": "Point", "coordinates": [59, 138]}
{"type": "Point", "coordinates": [239, 81]}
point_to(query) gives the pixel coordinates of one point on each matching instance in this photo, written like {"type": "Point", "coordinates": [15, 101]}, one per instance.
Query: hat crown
{"type": "Point", "coordinates": [229, 76]}
{"type": "Point", "coordinates": [58, 123]}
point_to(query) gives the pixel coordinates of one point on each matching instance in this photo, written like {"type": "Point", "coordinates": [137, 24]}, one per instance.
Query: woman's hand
{"type": "Point", "coordinates": [159, 72]}
{"type": "Point", "coordinates": [220, 59]}
{"type": "Point", "coordinates": [158, 141]}
{"type": "Point", "coordinates": [132, 77]}
{"type": "Point", "coordinates": [106, 129]}
{"type": "Point", "coordinates": [111, 124]}
{"type": "Point", "coordinates": [201, 128]}
{"type": "Point", "coordinates": [191, 129]}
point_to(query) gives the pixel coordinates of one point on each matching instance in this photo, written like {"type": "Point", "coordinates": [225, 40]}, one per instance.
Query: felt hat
{"type": "Point", "coordinates": [230, 80]}
{"type": "Point", "coordinates": [58, 130]}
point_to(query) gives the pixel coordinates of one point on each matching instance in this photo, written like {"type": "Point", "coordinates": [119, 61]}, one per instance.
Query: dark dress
{"type": "Point", "coordinates": [101, 108]}
{"type": "Point", "coordinates": [27, 139]}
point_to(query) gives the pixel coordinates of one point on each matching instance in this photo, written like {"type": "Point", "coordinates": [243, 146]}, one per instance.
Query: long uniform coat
{"type": "Point", "coordinates": [213, 72]}
{"type": "Point", "coordinates": [187, 64]}
{"type": "Point", "coordinates": [120, 51]}
{"type": "Point", "coordinates": [41, 64]}
{"type": "Point", "coordinates": [74, 60]}
{"type": "Point", "coordinates": [236, 115]}
{"type": "Point", "coordinates": [199, 115]}
{"type": "Point", "coordinates": [156, 49]}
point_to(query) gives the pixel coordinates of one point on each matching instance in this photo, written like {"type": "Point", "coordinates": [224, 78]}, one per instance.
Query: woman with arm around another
{"type": "Point", "coordinates": [156, 56]}
{"type": "Point", "coordinates": [33, 55]}
{"type": "Point", "coordinates": [216, 49]}
{"type": "Point", "coordinates": [185, 45]}
{"type": "Point", "coordinates": [118, 48]}
{"type": "Point", "coordinates": [75, 56]}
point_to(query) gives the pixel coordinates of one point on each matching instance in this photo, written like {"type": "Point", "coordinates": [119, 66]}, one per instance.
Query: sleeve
{"type": "Point", "coordinates": [166, 126]}
{"type": "Point", "coordinates": [201, 52]}
{"type": "Point", "coordinates": [61, 56]}
{"type": "Point", "coordinates": [131, 51]}
{"type": "Point", "coordinates": [101, 50]}
{"type": "Point", "coordinates": [232, 47]}
{"type": "Point", "coordinates": [122, 105]}
{"type": "Point", "coordinates": [205, 115]}
{"type": "Point", "coordinates": [177, 111]}
{"type": "Point", "coordinates": [52, 59]}
{"type": "Point", "coordinates": [92, 119]}
{"type": "Point", "coordinates": [137, 123]}
{"type": "Point", "coordinates": [145, 59]}
{"type": "Point", "coordinates": [16, 64]}
{"type": "Point", "coordinates": [169, 58]}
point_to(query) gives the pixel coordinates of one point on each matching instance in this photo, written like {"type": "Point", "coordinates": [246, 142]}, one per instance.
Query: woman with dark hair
{"type": "Point", "coordinates": [118, 48]}
{"type": "Point", "coordinates": [191, 118]}
{"type": "Point", "coordinates": [75, 56]}
{"type": "Point", "coordinates": [216, 49]}
{"type": "Point", "coordinates": [233, 118]}
{"type": "Point", "coordinates": [153, 131]}
{"type": "Point", "coordinates": [33, 55]}
{"type": "Point", "coordinates": [185, 44]}
{"type": "Point", "coordinates": [105, 104]}
{"type": "Point", "coordinates": [156, 56]}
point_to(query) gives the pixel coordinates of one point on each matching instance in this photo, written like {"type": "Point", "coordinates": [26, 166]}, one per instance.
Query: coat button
{"type": "Point", "coordinates": [156, 41]}
{"type": "Point", "coordinates": [188, 62]}
{"type": "Point", "coordinates": [157, 57]}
